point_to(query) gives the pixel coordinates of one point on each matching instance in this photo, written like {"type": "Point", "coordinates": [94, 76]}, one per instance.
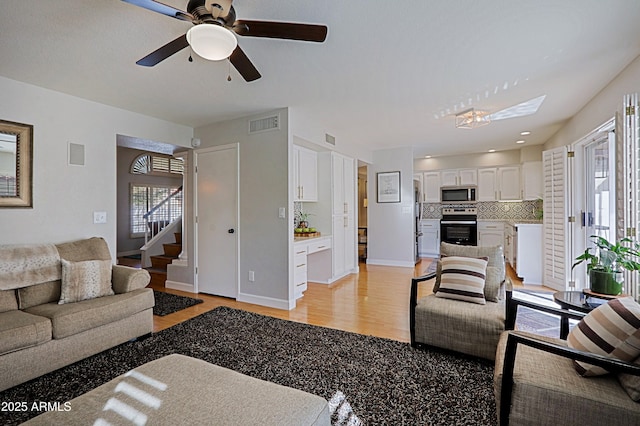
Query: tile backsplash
{"type": "Point", "coordinates": [495, 210]}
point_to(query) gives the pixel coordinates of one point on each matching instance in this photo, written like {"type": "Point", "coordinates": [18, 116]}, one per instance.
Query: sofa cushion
{"type": "Point", "coordinates": [95, 248]}
{"type": "Point", "coordinates": [8, 301]}
{"type": "Point", "coordinates": [85, 280]}
{"type": "Point", "coordinates": [462, 278]}
{"type": "Point", "coordinates": [71, 318]}
{"type": "Point", "coordinates": [612, 329]}
{"type": "Point", "coordinates": [19, 330]}
{"type": "Point", "coordinates": [39, 294]}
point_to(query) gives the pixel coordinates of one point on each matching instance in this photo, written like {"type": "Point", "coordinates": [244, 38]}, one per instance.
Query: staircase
{"type": "Point", "coordinates": [158, 268]}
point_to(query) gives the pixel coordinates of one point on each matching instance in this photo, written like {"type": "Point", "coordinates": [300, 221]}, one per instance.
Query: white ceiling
{"type": "Point", "coordinates": [391, 73]}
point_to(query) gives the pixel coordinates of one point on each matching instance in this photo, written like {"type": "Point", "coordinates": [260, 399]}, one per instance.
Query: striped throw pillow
{"type": "Point", "coordinates": [612, 329]}
{"type": "Point", "coordinates": [462, 278]}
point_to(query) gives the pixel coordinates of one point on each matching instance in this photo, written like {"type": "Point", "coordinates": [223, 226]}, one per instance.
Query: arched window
{"type": "Point", "coordinates": [156, 164]}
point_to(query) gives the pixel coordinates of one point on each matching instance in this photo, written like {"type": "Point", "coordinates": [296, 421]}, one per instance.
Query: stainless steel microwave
{"type": "Point", "coordinates": [458, 194]}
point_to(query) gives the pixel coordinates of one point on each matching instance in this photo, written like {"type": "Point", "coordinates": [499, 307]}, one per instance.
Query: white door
{"type": "Point", "coordinates": [216, 184]}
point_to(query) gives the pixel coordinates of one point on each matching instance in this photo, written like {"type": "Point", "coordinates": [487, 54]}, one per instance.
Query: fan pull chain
{"type": "Point", "coordinates": [229, 76]}
{"type": "Point", "coordinates": [190, 52]}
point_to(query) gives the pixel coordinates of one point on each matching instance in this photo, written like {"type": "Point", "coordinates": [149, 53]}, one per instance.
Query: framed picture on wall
{"type": "Point", "coordinates": [388, 187]}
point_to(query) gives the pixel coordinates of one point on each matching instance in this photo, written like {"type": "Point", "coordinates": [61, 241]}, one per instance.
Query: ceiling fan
{"type": "Point", "coordinates": [213, 34]}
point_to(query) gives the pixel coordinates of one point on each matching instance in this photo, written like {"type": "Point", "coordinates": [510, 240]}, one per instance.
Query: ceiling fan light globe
{"type": "Point", "coordinates": [212, 42]}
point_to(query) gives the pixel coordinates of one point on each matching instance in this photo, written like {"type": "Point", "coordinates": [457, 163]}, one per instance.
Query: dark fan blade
{"type": "Point", "coordinates": [286, 30]}
{"type": "Point", "coordinates": [162, 8]}
{"type": "Point", "coordinates": [164, 52]}
{"type": "Point", "coordinates": [244, 66]}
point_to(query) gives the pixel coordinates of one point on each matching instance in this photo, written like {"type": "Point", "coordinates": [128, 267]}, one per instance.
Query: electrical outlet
{"type": "Point", "coordinates": [99, 217]}
{"type": "Point", "coordinates": [252, 276]}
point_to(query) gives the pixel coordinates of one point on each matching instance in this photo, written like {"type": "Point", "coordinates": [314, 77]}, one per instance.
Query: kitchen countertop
{"type": "Point", "coordinates": [307, 239]}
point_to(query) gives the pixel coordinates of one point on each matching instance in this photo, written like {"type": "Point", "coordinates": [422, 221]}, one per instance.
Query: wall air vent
{"type": "Point", "coordinates": [264, 124]}
{"type": "Point", "coordinates": [330, 139]}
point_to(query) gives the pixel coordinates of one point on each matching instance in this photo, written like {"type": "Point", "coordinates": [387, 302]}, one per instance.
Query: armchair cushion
{"type": "Point", "coordinates": [463, 278]}
{"type": "Point", "coordinates": [612, 329]}
{"type": "Point", "coordinates": [631, 383]}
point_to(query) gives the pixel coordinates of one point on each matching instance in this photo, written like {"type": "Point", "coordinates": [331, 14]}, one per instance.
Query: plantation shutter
{"type": "Point", "coordinates": [627, 173]}
{"type": "Point", "coordinates": [557, 232]}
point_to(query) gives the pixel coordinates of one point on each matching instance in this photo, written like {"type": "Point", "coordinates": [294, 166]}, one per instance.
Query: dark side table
{"type": "Point", "coordinates": [576, 301]}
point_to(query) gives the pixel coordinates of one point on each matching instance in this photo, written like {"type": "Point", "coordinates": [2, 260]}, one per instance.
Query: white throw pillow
{"type": "Point", "coordinates": [463, 278]}
{"type": "Point", "coordinates": [85, 280]}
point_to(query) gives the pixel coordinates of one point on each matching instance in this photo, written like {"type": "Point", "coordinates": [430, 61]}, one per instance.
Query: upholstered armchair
{"type": "Point", "coordinates": [538, 381]}
{"type": "Point", "coordinates": [459, 319]}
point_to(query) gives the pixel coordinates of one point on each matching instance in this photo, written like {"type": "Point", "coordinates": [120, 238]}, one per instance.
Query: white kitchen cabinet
{"type": "Point", "coordinates": [305, 169]}
{"type": "Point", "coordinates": [490, 234]}
{"type": "Point", "coordinates": [532, 180]}
{"type": "Point", "coordinates": [487, 184]}
{"type": "Point", "coordinates": [299, 269]}
{"type": "Point", "coordinates": [343, 222]}
{"type": "Point", "coordinates": [499, 184]}
{"type": "Point", "coordinates": [459, 177]}
{"type": "Point", "coordinates": [509, 232]}
{"type": "Point", "coordinates": [431, 187]}
{"type": "Point", "coordinates": [527, 252]}
{"type": "Point", "coordinates": [429, 241]}
{"type": "Point", "coordinates": [509, 183]}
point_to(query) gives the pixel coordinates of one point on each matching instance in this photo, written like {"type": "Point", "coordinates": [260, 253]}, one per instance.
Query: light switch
{"type": "Point", "coordinates": [99, 217]}
{"type": "Point", "coordinates": [282, 214]}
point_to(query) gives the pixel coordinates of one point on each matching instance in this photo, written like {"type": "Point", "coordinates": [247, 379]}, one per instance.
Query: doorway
{"type": "Point", "coordinates": [216, 221]}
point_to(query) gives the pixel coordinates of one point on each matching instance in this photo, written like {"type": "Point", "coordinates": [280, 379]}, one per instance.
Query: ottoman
{"type": "Point", "coordinates": [180, 390]}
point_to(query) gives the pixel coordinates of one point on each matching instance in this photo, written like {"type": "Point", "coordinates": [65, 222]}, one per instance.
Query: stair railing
{"type": "Point", "coordinates": [162, 214]}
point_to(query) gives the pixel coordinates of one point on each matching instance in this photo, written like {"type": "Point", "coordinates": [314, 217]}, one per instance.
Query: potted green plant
{"type": "Point", "coordinates": [606, 266]}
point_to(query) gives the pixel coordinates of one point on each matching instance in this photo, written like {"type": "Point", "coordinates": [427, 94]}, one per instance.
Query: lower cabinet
{"type": "Point", "coordinates": [429, 241]}
{"type": "Point", "coordinates": [300, 269]}
{"type": "Point", "coordinates": [490, 234]}
{"type": "Point", "coordinates": [311, 262]}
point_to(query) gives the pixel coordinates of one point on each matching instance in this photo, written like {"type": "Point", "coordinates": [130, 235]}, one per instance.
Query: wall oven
{"type": "Point", "coordinates": [459, 225]}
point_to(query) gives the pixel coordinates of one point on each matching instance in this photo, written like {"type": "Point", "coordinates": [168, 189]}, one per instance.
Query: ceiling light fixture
{"type": "Point", "coordinates": [520, 141]}
{"type": "Point", "coordinates": [211, 41]}
{"type": "Point", "coordinates": [525, 133]}
{"type": "Point", "coordinates": [470, 119]}
{"type": "Point", "coordinates": [492, 150]}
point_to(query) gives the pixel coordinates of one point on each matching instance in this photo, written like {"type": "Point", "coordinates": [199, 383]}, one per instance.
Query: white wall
{"type": "Point", "coordinates": [391, 234]}
{"type": "Point", "coordinates": [64, 196]}
{"type": "Point", "coordinates": [264, 187]}
{"type": "Point", "coordinates": [600, 109]}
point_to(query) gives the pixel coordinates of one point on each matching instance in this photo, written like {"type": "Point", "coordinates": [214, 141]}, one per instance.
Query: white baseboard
{"type": "Point", "coordinates": [174, 285]}
{"type": "Point", "coordinates": [386, 262]}
{"type": "Point", "coordinates": [266, 301]}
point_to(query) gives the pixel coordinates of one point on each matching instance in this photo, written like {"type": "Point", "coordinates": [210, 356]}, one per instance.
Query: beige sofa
{"type": "Point", "coordinates": [39, 335]}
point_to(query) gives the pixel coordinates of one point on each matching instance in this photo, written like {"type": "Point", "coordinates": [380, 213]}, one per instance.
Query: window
{"type": "Point", "coordinates": [156, 164]}
{"type": "Point", "coordinates": [144, 198]}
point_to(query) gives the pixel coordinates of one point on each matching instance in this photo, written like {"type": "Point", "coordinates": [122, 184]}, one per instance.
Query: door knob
{"type": "Point", "coordinates": [231, 231]}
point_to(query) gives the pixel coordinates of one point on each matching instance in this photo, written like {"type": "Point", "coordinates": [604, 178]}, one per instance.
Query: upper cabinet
{"type": "Point", "coordinates": [431, 187]}
{"type": "Point", "coordinates": [418, 183]}
{"type": "Point", "coordinates": [305, 169]}
{"type": "Point", "coordinates": [509, 183]}
{"type": "Point", "coordinates": [532, 180]}
{"type": "Point", "coordinates": [459, 177]}
{"type": "Point", "coordinates": [499, 184]}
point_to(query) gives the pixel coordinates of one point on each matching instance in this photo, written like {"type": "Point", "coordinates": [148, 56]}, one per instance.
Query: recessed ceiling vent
{"type": "Point", "coordinates": [264, 124]}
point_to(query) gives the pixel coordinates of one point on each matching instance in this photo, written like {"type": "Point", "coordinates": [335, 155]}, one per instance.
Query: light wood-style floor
{"type": "Point", "coordinates": [373, 302]}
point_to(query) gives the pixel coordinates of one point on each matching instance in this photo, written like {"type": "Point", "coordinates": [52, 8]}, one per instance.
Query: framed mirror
{"type": "Point", "coordinates": [16, 164]}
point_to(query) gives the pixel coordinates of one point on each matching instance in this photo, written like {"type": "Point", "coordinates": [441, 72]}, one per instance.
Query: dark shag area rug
{"type": "Point", "coordinates": [368, 380]}
{"type": "Point", "coordinates": [167, 303]}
